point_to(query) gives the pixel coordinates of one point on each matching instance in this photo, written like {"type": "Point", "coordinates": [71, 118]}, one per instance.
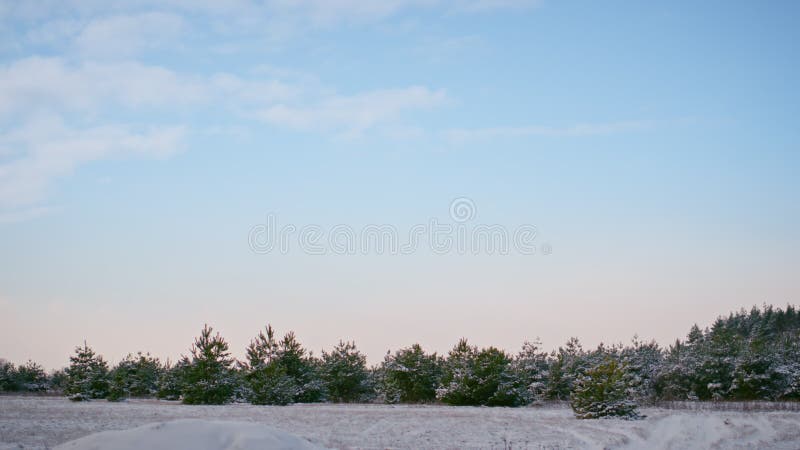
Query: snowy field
{"type": "Point", "coordinates": [43, 422]}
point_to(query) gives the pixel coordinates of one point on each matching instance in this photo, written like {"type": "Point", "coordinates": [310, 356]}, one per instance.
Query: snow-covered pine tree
{"type": "Point", "coordinates": [280, 372]}
{"type": "Point", "coordinates": [30, 377]}
{"type": "Point", "coordinates": [473, 377]}
{"type": "Point", "coordinates": [268, 383]}
{"type": "Point", "coordinates": [457, 378]}
{"type": "Point", "coordinates": [207, 374]}
{"type": "Point", "coordinates": [344, 371]}
{"type": "Point", "coordinates": [567, 364]}
{"type": "Point", "coordinates": [87, 375]}
{"type": "Point", "coordinates": [527, 375]}
{"type": "Point", "coordinates": [410, 376]}
{"type": "Point", "coordinates": [7, 376]}
{"type": "Point", "coordinates": [642, 361]}
{"type": "Point", "coordinates": [602, 391]}
{"type": "Point", "coordinates": [170, 381]}
{"type": "Point", "coordinates": [135, 376]}
{"type": "Point", "coordinates": [303, 367]}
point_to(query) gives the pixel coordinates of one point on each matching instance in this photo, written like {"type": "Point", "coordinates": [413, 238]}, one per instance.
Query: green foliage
{"type": "Point", "coordinates": [526, 380]}
{"type": "Point", "coordinates": [7, 376]}
{"type": "Point", "coordinates": [603, 392]}
{"type": "Point", "coordinates": [566, 365]}
{"type": "Point", "coordinates": [135, 376]}
{"type": "Point", "coordinates": [207, 374]}
{"type": "Point", "coordinates": [31, 377]}
{"type": "Point", "coordinates": [87, 375]}
{"type": "Point", "coordinates": [280, 372]}
{"type": "Point", "coordinates": [169, 385]}
{"type": "Point", "coordinates": [344, 372]}
{"type": "Point", "coordinates": [474, 377]}
{"type": "Point", "coordinates": [410, 376]}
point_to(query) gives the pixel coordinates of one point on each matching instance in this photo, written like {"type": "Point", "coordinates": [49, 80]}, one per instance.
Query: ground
{"type": "Point", "coordinates": [43, 422]}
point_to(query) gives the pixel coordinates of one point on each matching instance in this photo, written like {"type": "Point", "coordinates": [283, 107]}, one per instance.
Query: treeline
{"type": "Point", "coordinates": [751, 355]}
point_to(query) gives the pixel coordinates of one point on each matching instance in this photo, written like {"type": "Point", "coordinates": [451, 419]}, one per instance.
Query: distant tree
{"type": "Point", "coordinates": [135, 376]}
{"type": "Point", "coordinates": [344, 372]}
{"type": "Point", "coordinates": [207, 373]}
{"type": "Point", "coordinates": [279, 372]}
{"type": "Point", "coordinates": [31, 377]}
{"type": "Point", "coordinates": [642, 361]}
{"type": "Point", "coordinates": [567, 364]}
{"type": "Point", "coordinates": [169, 384]}
{"type": "Point", "coordinates": [7, 376]}
{"type": "Point", "coordinates": [58, 380]}
{"type": "Point", "coordinates": [87, 375]}
{"type": "Point", "coordinates": [410, 376]}
{"type": "Point", "coordinates": [602, 391]}
{"type": "Point", "coordinates": [525, 380]}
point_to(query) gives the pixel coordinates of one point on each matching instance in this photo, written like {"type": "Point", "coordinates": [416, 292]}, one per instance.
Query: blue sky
{"type": "Point", "coordinates": [653, 145]}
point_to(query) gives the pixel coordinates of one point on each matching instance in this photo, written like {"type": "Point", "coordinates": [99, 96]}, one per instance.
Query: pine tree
{"type": "Point", "coordinates": [458, 380]}
{"type": "Point", "coordinates": [603, 392]}
{"type": "Point", "coordinates": [531, 371]}
{"type": "Point", "coordinates": [87, 375]}
{"type": "Point", "coordinates": [135, 376]}
{"type": "Point", "coordinates": [7, 376]}
{"type": "Point", "coordinates": [280, 372]}
{"type": "Point", "coordinates": [410, 376]}
{"type": "Point", "coordinates": [568, 363]}
{"type": "Point", "coordinates": [268, 382]}
{"type": "Point", "coordinates": [642, 361]}
{"type": "Point", "coordinates": [207, 375]}
{"type": "Point", "coordinates": [31, 377]}
{"type": "Point", "coordinates": [170, 381]}
{"type": "Point", "coordinates": [344, 371]}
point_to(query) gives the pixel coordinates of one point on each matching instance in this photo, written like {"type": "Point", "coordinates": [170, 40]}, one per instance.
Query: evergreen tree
{"type": "Point", "coordinates": [87, 375]}
{"type": "Point", "coordinates": [568, 363]}
{"type": "Point", "coordinates": [280, 372]}
{"type": "Point", "coordinates": [58, 380]}
{"type": "Point", "coordinates": [31, 377]}
{"type": "Point", "coordinates": [7, 376]}
{"type": "Point", "coordinates": [410, 376]}
{"type": "Point", "coordinates": [169, 385]}
{"type": "Point", "coordinates": [525, 381]}
{"type": "Point", "coordinates": [458, 379]}
{"type": "Point", "coordinates": [473, 377]}
{"type": "Point", "coordinates": [344, 372]}
{"type": "Point", "coordinates": [207, 374]}
{"type": "Point", "coordinates": [135, 376]}
{"type": "Point", "coordinates": [602, 391]}
{"type": "Point", "coordinates": [642, 361]}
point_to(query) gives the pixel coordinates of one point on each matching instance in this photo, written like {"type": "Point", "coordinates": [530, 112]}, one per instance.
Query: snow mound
{"type": "Point", "coordinates": [192, 434]}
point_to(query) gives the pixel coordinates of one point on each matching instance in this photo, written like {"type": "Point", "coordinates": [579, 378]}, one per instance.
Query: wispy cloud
{"type": "Point", "coordinates": [584, 129]}
{"type": "Point", "coordinates": [25, 214]}
{"type": "Point", "coordinates": [353, 115]}
{"type": "Point", "coordinates": [47, 149]}
{"type": "Point", "coordinates": [58, 115]}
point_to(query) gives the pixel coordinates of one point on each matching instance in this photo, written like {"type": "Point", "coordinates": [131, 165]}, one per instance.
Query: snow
{"type": "Point", "coordinates": [43, 422]}
{"type": "Point", "coordinates": [194, 434]}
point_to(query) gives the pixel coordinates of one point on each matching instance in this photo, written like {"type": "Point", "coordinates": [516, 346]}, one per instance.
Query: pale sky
{"type": "Point", "coordinates": [654, 146]}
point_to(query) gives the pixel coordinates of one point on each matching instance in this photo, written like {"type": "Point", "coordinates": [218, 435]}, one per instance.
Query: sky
{"type": "Point", "coordinates": [150, 153]}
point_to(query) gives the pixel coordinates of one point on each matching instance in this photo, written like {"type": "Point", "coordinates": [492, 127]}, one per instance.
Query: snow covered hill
{"type": "Point", "coordinates": [44, 422]}
{"type": "Point", "coordinates": [194, 434]}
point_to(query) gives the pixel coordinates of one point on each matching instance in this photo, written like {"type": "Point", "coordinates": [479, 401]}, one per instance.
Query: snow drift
{"type": "Point", "coordinates": [192, 434]}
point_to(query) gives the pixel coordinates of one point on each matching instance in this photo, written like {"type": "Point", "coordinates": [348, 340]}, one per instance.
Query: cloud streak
{"type": "Point", "coordinates": [578, 130]}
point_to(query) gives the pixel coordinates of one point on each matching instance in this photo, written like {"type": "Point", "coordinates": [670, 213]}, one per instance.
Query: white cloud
{"type": "Point", "coordinates": [37, 84]}
{"type": "Point", "coordinates": [48, 149]}
{"type": "Point", "coordinates": [353, 115]}
{"type": "Point", "coordinates": [124, 35]}
{"type": "Point", "coordinates": [56, 116]}
{"type": "Point", "coordinates": [25, 214]}
{"type": "Point", "coordinates": [587, 129]}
